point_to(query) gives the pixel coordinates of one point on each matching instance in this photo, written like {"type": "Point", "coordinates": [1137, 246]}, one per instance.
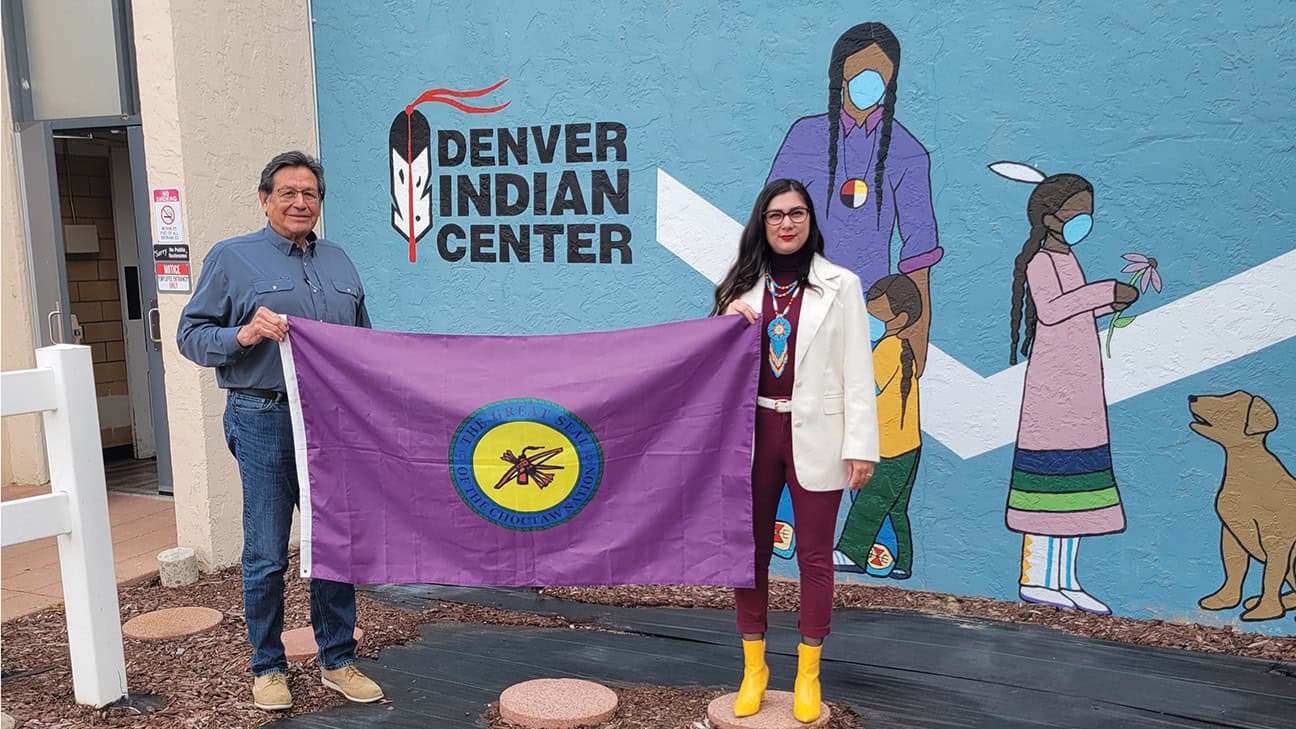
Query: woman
{"type": "Point", "coordinates": [1062, 487]}
{"type": "Point", "coordinates": [816, 424]}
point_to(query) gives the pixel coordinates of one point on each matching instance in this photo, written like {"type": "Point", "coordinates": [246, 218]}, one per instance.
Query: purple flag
{"type": "Point", "coordinates": [608, 458]}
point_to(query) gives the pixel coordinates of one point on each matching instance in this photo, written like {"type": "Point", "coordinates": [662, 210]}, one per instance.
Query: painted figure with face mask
{"type": "Point", "coordinates": [868, 174]}
{"type": "Point", "coordinates": [1063, 487]}
{"type": "Point", "coordinates": [871, 177]}
{"type": "Point", "coordinates": [893, 306]}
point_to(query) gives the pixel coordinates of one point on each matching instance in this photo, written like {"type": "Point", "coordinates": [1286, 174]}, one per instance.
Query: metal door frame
{"type": "Point", "coordinates": [43, 221]}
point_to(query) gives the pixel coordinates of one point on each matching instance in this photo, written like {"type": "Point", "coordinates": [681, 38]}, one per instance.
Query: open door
{"type": "Point", "coordinates": [49, 286]}
{"type": "Point", "coordinates": [149, 302]}
{"type": "Point", "coordinates": [134, 322]}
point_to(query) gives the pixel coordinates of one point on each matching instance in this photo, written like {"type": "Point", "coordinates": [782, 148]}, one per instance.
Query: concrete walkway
{"type": "Point", "coordinates": [142, 526]}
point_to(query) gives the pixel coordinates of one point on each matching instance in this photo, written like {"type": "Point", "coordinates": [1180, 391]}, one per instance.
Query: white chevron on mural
{"type": "Point", "coordinates": [971, 414]}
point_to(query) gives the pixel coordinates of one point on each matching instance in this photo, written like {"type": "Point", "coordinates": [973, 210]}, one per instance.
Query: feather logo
{"type": "Point", "coordinates": [410, 158]}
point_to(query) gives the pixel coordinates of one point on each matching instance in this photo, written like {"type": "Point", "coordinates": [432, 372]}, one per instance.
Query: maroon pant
{"type": "Point", "coordinates": [816, 521]}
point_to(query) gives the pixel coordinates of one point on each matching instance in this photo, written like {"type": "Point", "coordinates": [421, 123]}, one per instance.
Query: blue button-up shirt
{"type": "Point", "coordinates": [264, 268]}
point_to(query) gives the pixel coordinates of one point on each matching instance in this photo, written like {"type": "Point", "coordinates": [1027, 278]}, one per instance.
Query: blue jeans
{"type": "Point", "coordinates": [259, 434]}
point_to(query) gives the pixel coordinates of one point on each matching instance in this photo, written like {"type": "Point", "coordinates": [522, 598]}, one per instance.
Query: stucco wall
{"type": "Point", "coordinates": [21, 437]}
{"type": "Point", "coordinates": [224, 86]}
{"type": "Point", "coordinates": [1166, 112]}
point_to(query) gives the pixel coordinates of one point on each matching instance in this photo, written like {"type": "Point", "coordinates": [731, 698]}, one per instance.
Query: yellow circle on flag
{"type": "Point", "coordinates": [525, 466]}
{"type": "Point", "coordinates": [854, 193]}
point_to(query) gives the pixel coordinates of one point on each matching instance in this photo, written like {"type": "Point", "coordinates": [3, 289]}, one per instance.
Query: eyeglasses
{"type": "Point", "coordinates": [287, 194]}
{"type": "Point", "coordinates": [797, 215]}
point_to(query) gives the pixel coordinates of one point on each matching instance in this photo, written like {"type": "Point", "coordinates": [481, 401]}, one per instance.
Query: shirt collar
{"type": "Point", "coordinates": [870, 122]}
{"type": "Point", "coordinates": [286, 246]}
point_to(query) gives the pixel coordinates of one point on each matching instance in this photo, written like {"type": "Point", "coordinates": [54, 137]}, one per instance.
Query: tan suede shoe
{"type": "Point", "coordinates": [352, 684]}
{"type": "Point", "coordinates": [270, 692]}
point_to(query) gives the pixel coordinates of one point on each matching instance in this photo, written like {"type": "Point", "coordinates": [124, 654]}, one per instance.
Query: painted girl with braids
{"type": "Point", "coordinates": [894, 305]}
{"type": "Point", "coordinates": [1062, 487]}
{"type": "Point", "coordinates": [866, 172]}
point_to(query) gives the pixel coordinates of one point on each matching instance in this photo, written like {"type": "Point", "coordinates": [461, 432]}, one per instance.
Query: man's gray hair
{"type": "Point", "coordinates": [291, 159]}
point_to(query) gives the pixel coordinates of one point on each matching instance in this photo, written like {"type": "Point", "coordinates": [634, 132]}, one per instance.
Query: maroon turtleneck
{"type": "Point", "coordinates": [783, 268]}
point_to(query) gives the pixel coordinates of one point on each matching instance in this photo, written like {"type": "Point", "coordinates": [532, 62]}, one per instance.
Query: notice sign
{"type": "Point", "coordinates": [167, 227]}
{"type": "Point", "coordinates": [172, 268]}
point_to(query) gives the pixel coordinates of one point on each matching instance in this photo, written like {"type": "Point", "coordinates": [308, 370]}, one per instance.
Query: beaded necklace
{"type": "Point", "coordinates": [780, 329]}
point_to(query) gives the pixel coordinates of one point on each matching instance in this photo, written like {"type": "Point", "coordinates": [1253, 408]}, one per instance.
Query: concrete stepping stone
{"type": "Point", "coordinates": [172, 623]}
{"type": "Point", "coordinates": [775, 713]}
{"type": "Point", "coordinates": [557, 703]}
{"type": "Point", "coordinates": [299, 643]}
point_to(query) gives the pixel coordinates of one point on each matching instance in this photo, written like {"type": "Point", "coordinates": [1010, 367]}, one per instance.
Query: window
{"type": "Point", "coordinates": [70, 59]}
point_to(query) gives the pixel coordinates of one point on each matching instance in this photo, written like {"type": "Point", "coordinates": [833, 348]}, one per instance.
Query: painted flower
{"type": "Point", "coordinates": [1145, 272]}
{"type": "Point", "coordinates": [1145, 269]}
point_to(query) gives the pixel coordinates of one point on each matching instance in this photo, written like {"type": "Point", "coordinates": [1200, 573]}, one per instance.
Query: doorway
{"type": "Point", "coordinates": [93, 283]}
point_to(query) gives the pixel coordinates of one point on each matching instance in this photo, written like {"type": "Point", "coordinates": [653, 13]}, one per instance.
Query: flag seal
{"type": "Point", "coordinates": [525, 464]}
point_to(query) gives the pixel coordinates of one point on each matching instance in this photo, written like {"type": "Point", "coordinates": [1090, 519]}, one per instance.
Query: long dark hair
{"type": "Point", "coordinates": [851, 42]}
{"type": "Point", "coordinates": [902, 296]}
{"type": "Point", "coordinates": [754, 253]}
{"type": "Point", "coordinates": [1048, 197]}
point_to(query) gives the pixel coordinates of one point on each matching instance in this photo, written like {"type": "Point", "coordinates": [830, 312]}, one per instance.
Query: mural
{"type": "Point", "coordinates": [600, 188]}
{"type": "Point", "coordinates": [1145, 272]}
{"type": "Point", "coordinates": [883, 169]}
{"type": "Point", "coordinates": [1256, 503]}
{"type": "Point", "coordinates": [519, 189]}
{"type": "Point", "coordinates": [885, 186]}
{"type": "Point", "coordinates": [876, 533]}
{"type": "Point", "coordinates": [1062, 487]}
{"type": "Point", "coordinates": [410, 142]}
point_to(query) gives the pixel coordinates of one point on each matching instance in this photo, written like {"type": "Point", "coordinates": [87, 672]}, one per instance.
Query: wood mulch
{"type": "Point", "coordinates": [784, 596]}
{"type": "Point", "coordinates": [203, 682]}
{"type": "Point", "coordinates": [659, 707]}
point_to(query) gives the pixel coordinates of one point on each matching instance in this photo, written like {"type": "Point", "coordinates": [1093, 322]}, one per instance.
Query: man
{"type": "Point", "coordinates": [234, 323]}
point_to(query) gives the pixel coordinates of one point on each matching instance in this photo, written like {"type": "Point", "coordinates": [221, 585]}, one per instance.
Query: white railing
{"type": "Point", "coordinates": [62, 389]}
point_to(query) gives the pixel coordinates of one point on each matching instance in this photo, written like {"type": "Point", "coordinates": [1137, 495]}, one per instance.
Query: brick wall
{"type": "Point", "coordinates": [92, 287]}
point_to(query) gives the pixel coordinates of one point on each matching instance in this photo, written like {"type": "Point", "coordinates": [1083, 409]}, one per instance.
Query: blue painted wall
{"type": "Point", "coordinates": [1181, 117]}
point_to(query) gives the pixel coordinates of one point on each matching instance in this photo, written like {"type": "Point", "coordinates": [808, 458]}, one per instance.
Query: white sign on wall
{"type": "Point", "coordinates": [170, 253]}
{"type": "Point", "coordinates": [167, 225]}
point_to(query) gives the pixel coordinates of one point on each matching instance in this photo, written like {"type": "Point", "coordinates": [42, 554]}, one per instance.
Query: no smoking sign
{"type": "Point", "coordinates": [167, 225]}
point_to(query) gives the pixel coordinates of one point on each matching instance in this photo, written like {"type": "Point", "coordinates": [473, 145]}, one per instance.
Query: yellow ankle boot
{"type": "Point", "coordinates": [805, 692]}
{"type": "Point", "coordinates": [755, 678]}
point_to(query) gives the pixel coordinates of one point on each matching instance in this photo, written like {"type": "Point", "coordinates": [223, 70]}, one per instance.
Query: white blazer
{"type": "Point", "coordinates": [834, 401]}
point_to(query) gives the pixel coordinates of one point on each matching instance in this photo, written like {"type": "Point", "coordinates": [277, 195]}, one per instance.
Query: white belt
{"type": "Point", "coordinates": [778, 406]}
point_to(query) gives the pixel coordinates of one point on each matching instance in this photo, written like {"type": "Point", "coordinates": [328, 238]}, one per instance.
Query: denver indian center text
{"type": "Point", "coordinates": [552, 193]}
